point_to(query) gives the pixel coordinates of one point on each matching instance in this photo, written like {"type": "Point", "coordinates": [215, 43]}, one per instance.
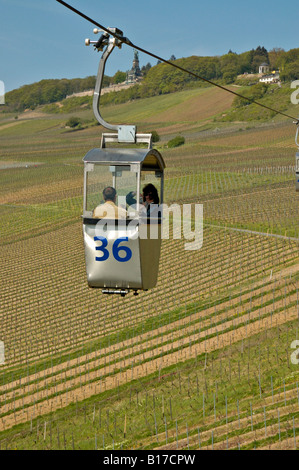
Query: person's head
{"type": "Point", "coordinates": [150, 194]}
{"type": "Point", "coordinates": [109, 194]}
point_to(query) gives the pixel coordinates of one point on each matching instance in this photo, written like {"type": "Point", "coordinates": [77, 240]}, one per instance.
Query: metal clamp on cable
{"type": "Point", "coordinates": [125, 133]}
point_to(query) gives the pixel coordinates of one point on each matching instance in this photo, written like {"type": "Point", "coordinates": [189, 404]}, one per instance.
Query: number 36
{"type": "Point", "coordinates": [116, 249]}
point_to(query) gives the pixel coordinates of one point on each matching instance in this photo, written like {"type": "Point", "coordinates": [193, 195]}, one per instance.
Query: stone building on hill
{"type": "Point", "coordinates": [134, 75]}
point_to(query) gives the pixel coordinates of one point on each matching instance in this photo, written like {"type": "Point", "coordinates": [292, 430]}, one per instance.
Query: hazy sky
{"type": "Point", "coordinates": [42, 39]}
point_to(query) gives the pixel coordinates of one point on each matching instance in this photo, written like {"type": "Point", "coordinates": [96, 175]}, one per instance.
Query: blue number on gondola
{"type": "Point", "coordinates": [102, 248]}
{"type": "Point", "coordinates": [116, 249]}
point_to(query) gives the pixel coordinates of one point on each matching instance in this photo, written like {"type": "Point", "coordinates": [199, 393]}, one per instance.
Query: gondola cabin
{"type": "Point", "coordinates": [122, 239]}
{"type": "Point", "coordinates": [123, 188]}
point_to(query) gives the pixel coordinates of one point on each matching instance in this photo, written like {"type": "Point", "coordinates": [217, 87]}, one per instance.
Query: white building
{"type": "Point", "coordinates": [270, 78]}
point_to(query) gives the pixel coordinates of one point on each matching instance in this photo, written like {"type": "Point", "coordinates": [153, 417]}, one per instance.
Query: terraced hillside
{"type": "Point", "coordinates": [206, 360]}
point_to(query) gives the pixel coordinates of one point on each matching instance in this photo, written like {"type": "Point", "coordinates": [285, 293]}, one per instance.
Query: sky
{"type": "Point", "coordinates": [42, 39]}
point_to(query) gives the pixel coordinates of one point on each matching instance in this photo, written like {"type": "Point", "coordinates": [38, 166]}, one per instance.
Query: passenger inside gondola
{"type": "Point", "coordinates": [109, 210]}
{"type": "Point", "coordinates": [151, 200]}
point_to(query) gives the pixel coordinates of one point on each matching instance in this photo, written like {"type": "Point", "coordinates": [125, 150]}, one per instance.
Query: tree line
{"type": "Point", "coordinates": [161, 78]}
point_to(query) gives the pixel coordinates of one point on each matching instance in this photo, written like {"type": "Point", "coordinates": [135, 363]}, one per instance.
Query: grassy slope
{"type": "Point", "coordinates": [49, 317]}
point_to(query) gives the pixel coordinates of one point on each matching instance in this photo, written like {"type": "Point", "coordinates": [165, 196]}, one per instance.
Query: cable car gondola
{"type": "Point", "coordinates": [122, 240]}
{"type": "Point", "coordinates": [135, 269]}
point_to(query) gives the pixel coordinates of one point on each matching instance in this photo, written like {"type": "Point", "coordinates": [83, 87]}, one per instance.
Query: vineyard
{"type": "Point", "coordinates": [206, 360]}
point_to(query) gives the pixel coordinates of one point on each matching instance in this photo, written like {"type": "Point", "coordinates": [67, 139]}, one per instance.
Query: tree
{"type": "Point", "coordinates": [106, 81]}
{"type": "Point", "coordinates": [146, 68]}
{"type": "Point", "coordinates": [254, 92]}
{"type": "Point", "coordinates": [260, 55]}
{"type": "Point", "coordinates": [155, 136]}
{"type": "Point", "coordinates": [245, 60]}
{"type": "Point", "coordinates": [119, 77]}
{"type": "Point", "coordinates": [176, 142]}
{"type": "Point", "coordinates": [276, 56]}
{"type": "Point", "coordinates": [73, 122]}
{"type": "Point", "coordinates": [230, 75]}
{"type": "Point", "coordinates": [290, 72]}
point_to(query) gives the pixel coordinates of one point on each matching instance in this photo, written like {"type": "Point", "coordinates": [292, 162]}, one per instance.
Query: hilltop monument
{"type": "Point", "coordinates": [264, 68]}
{"type": "Point", "coordinates": [134, 75]}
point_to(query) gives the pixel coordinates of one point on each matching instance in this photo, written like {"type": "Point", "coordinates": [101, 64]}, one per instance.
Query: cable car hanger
{"type": "Point", "coordinates": [124, 133]}
{"type": "Point", "coordinates": [117, 34]}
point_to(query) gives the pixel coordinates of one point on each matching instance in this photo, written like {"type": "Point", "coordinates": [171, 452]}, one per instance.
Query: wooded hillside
{"type": "Point", "coordinates": [161, 78]}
